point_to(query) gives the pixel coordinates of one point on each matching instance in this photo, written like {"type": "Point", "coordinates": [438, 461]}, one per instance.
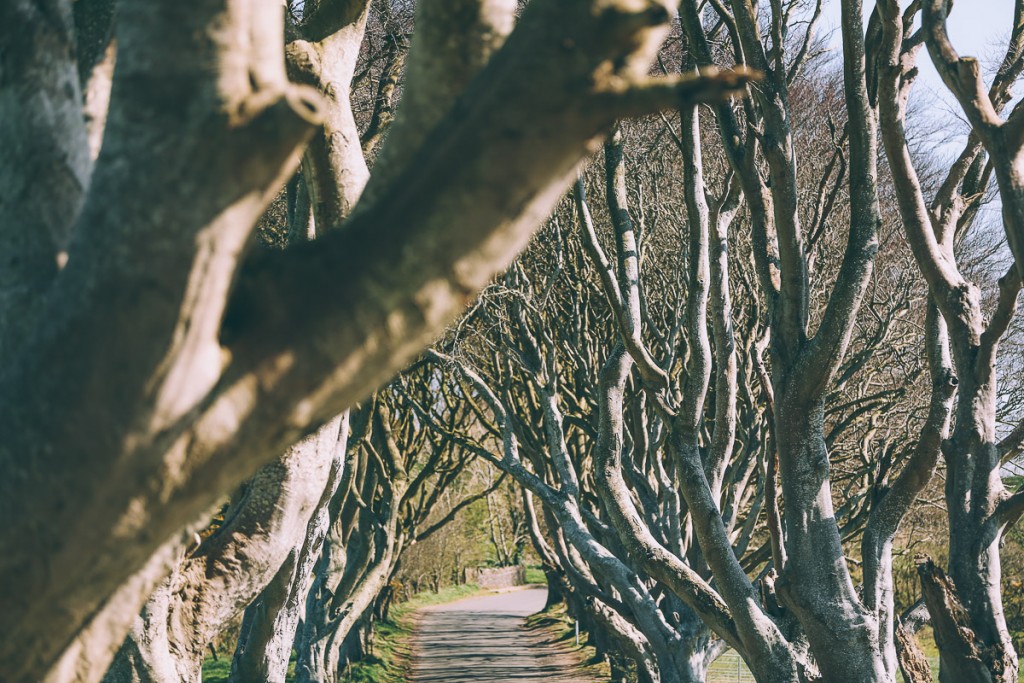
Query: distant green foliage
{"type": "Point", "coordinates": [1013, 588]}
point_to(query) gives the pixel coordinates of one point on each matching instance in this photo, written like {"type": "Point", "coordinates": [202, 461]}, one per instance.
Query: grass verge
{"type": "Point", "coordinates": [219, 670]}
{"type": "Point", "coordinates": [536, 575]}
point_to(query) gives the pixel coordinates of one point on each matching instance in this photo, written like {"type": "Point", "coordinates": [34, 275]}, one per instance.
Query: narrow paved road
{"type": "Point", "coordinates": [483, 639]}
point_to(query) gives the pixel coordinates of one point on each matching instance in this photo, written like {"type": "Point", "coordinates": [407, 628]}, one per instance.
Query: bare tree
{"type": "Point", "coordinates": [278, 525]}
{"type": "Point", "coordinates": [1002, 139]}
{"type": "Point", "coordinates": [801, 617]}
{"type": "Point", "coordinates": [966, 608]}
{"type": "Point", "coordinates": [228, 570]}
{"type": "Point", "coordinates": [398, 471]}
{"type": "Point", "coordinates": [193, 365]}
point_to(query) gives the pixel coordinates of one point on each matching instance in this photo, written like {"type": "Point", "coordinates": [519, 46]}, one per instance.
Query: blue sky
{"type": "Point", "coordinates": [978, 28]}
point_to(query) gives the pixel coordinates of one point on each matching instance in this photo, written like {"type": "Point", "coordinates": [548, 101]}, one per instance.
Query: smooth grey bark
{"type": "Point", "coordinates": [701, 474]}
{"type": "Point", "coordinates": [359, 554]}
{"type": "Point", "coordinates": [815, 583]}
{"type": "Point", "coordinates": [333, 176]}
{"type": "Point", "coordinates": [661, 642]}
{"type": "Point", "coordinates": [270, 623]}
{"type": "Point", "coordinates": [230, 569]}
{"type": "Point", "coordinates": [79, 551]}
{"type": "Point", "coordinates": [345, 553]}
{"type": "Point", "coordinates": [739, 618]}
{"type": "Point", "coordinates": [334, 169]}
{"type": "Point", "coordinates": [146, 655]}
{"type": "Point", "coordinates": [816, 580]}
{"type": "Point", "coordinates": [384, 104]}
{"type": "Point", "coordinates": [691, 656]}
{"type": "Point", "coordinates": [182, 400]}
{"type": "Point", "coordinates": [612, 627]}
{"type": "Point", "coordinates": [843, 634]}
{"type": "Point", "coordinates": [317, 646]}
{"type": "Point", "coordinates": [89, 656]}
{"type": "Point", "coordinates": [541, 366]}
{"type": "Point", "coordinates": [1002, 137]}
{"type": "Point", "coordinates": [752, 633]}
{"type": "Point", "coordinates": [887, 514]}
{"type": "Point", "coordinates": [398, 477]}
{"type": "Point", "coordinates": [978, 505]}
{"type": "Point", "coordinates": [614, 634]}
{"type": "Point", "coordinates": [46, 167]}
{"type": "Point", "coordinates": [438, 71]}
{"type": "Point", "coordinates": [819, 592]}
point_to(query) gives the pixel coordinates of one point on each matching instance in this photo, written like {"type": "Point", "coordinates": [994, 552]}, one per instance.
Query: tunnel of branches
{"type": "Point", "coordinates": [734, 365]}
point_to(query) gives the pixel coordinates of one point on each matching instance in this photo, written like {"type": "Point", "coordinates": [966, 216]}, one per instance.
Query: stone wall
{"type": "Point", "coordinates": [496, 577]}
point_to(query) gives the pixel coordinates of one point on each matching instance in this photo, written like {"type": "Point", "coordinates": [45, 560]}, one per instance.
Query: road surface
{"type": "Point", "coordinates": [483, 639]}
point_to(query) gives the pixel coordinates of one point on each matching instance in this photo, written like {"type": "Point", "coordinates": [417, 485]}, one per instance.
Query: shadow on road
{"type": "Point", "coordinates": [483, 639]}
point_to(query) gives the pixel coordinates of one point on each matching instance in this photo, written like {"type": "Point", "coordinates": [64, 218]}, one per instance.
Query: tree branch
{"type": "Point", "coordinates": [462, 504]}
{"type": "Point", "coordinates": [962, 75]}
{"type": "Point", "coordinates": [708, 85]}
{"type": "Point", "coordinates": [828, 348]}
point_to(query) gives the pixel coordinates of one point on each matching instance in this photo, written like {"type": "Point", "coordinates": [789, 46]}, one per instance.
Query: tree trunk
{"type": "Point", "coordinates": [47, 166]}
{"type": "Point", "coordinates": [265, 646]}
{"type": "Point", "coordinates": [231, 568]}
{"type": "Point", "coordinates": [815, 583]}
{"type": "Point", "coordinates": [555, 579]}
{"type": "Point", "coordinates": [964, 656]}
{"type": "Point", "coordinates": [913, 664]}
{"type": "Point", "coordinates": [148, 655]}
{"type": "Point", "coordinates": [191, 376]}
{"type": "Point", "coordinates": [974, 489]}
{"type": "Point", "coordinates": [334, 170]}
{"type": "Point", "coordinates": [689, 661]}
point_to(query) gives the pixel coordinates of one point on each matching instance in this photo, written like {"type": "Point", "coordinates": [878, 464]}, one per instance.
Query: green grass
{"type": "Point", "coordinates": [384, 662]}
{"type": "Point", "coordinates": [535, 574]}
{"type": "Point", "coordinates": [389, 658]}
{"type": "Point", "coordinates": [219, 670]}
{"type": "Point", "coordinates": [927, 642]}
{"type": "Point", "coordinates": [428, 598]}
{"type": "Point", "coordinates": [729, 668]}
{"type": "Point", "coordinates": [216, 670]}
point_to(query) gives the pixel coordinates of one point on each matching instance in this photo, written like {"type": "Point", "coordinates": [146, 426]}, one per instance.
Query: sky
{"type": "Point", "coordinates": [977, 28]}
